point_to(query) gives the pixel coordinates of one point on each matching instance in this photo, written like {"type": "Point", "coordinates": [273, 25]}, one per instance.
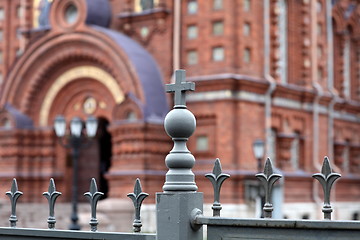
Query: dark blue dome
{"type": "Point", "coordinates": [98, 13]}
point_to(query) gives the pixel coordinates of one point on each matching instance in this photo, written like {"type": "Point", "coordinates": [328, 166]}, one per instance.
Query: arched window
{"type": "Point", "coordinates": [5, 123]}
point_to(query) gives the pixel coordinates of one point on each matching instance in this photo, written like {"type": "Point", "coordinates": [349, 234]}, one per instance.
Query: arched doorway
{"type": "Point", "coordinates": [105, 153]}
{"type": "Point", "coordinates": [95, 160]}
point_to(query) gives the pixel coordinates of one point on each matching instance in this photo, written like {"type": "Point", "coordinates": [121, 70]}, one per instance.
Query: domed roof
{"type": "Point", "coordinates": [156, 106]}
{"type": "Point", "coordinates": [98, 13]}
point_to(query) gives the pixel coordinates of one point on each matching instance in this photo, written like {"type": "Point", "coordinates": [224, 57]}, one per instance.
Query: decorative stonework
{"type": "Point", "coordinates": [129, 105]}
{"type": "Point", "coordinates": [153, 21]}
{"type": "Point", "coordinates": [284, 156]}
{"type": "Point", "coordinates": [75, 74]}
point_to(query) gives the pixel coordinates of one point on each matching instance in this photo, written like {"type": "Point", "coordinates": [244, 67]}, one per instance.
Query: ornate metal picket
{"type": "Point", "coordinates": [179, 207]}
{"type": "Point", "coordinates": [93, 195]}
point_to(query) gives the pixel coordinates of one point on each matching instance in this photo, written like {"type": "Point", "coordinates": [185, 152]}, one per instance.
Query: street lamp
{"type": "Point", "coordinates": [259, 150]}
{"type": "Point", "coordinates": [75, 144]}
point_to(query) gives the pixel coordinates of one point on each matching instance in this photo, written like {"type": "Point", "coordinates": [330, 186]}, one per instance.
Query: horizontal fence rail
{"type": "Point", "coordinates": [273, 229]}
{"type": "Point", "coordinates": [36, 234]}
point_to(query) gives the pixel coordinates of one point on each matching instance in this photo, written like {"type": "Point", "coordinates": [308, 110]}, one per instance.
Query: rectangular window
{"type": "Point", "coordinates": [273, 145]}
{"type": "Point", "coordinates": [319, 29]}
{"type": "Point", "coordinates": [2, 14]}
{"type": "Point", "coordinates": [347, 67]}
{"type": "Point", "coordinates": [247, 5]}
{"type": "Point", "coordinates": [247, 55]}
{"type": "Point", "coordinates": [202, 143]}
{"type": "Point", "coordinates": [192, 57]}
{"type": "Point", "coordinates": [1, 34]}
{"type": "Point", "coordinates": [218, 54]}
{"type": "Point", "coordinates": [192, 6]}
{"type": "Point", "coordinates": [320, 74]}
{"type": "Point", "coordinates": [144, 31]}
{"type": "Point", "coordinates": [346, 157]}
{"type": "Point", "coordinates": [141, 5]}
{"type": "Point", "coordinates": [218, 28]}
{"type": "Point", "coordinates": [19, 52]}
{"type": "Point", "coordinates": [19, 11]}
{"type": "Point", "coordinates": [18, 33]}
{"type": "Point", "coordinates": [192, 32]}
{"type": "Point", "coordinates": [217, 4]}
{"type": "Point", "coordinates": [247, 29]}
{"type": "Point", "coordinates": [295, 152]}
{"type": "Point", "coordinates": [319, 51]}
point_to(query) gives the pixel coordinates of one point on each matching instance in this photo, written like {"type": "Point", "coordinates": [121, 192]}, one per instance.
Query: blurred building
{"type": "Point", "coordinates": [284, 71]}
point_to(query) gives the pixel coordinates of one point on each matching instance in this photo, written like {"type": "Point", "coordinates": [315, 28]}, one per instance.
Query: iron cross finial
{"type": "Point", "coordinates": [180, 87]}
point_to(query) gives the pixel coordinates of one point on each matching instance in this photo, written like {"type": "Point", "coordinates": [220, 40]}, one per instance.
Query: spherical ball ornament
{"type": "Point", "coordinates": [180, 123]}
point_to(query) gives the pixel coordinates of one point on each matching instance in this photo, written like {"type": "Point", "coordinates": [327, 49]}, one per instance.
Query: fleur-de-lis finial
{"type": "Point", "coordinates": [217, 178]}
{"type": "Point", "coordinates": [13, 194]}
{"type": "Point", "coordinates": [51, 195]}
{"type": "Point", "coordinates": [137, 198]}
{"type": "Point", "coordinates": [268, 178]}
{"type": "Point", "coordinates": [326, 179]}
{"type": "Point", "coordinates": [94, 196]}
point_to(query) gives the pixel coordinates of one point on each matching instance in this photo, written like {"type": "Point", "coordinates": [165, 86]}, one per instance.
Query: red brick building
{"type": "Point", "coordinates": [285, 71]}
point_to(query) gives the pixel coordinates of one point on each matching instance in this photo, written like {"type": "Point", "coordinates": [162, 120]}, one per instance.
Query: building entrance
{"type": "Point", "coordinates": [95, 161]}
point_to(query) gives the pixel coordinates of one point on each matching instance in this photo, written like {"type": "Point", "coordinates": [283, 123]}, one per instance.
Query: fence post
{"type": "Point", "coordinates": [179, 199]}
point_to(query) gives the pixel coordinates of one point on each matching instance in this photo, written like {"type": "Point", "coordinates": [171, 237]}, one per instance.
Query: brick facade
{"type": "Point", "coordinates": [242, 93]}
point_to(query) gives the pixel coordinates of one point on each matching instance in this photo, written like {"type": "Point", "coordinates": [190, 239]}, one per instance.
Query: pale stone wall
{"type": "Point", "coordinates": [116, 215]}
{"type": "Point", "coordinates": [113, 215]}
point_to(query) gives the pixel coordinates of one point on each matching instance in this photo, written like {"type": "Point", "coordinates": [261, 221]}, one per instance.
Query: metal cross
{"type": "Point", "coordinates": [180, 87]}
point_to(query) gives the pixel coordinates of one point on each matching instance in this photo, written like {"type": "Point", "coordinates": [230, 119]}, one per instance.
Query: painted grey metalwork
{"type": "Point", "coordinates": [180, 87]}
{"type": "Point", "coordinates": [217, 178]}
{"type": "Point", "coordinates": [14, 195]}
{"type": "Point", "coordinates": [326, 179]}
{"type": "Point", "coordinates": [94, 196]}
{"type": "Point", "coordinates": [175, 205]}
{"type": "Point", "coordinates": [268, 178]}
{"type": "Point", "coordinates": [180, 124]}
{"type": "Point", "coordinates": [137, 198]}
{"type": "Point", "coordinates": [36, 234]}
{"type": "Point", "coordinates": [274, 229]}
{"type": "Point", "coordinates": [51, 195]}
{"type": "Point", "coordinates": [75, 143]}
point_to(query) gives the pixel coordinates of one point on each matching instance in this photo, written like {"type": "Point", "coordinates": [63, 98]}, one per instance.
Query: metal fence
{"type": "Point", "coordinates": [179, 206]}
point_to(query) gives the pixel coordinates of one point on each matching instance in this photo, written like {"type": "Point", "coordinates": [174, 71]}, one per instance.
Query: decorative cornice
{"type": "Point", "coordinates": [159, 12]}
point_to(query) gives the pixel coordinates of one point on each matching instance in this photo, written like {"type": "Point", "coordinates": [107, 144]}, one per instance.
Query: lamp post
{"type": "Point", "coordinates": [259, 150]}
{"type": "Point", "coordinates": [75, 144]}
